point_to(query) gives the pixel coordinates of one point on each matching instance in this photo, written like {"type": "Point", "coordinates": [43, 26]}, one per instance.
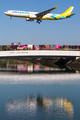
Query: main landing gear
{"type": "Point", "coordinates": [39, 21]}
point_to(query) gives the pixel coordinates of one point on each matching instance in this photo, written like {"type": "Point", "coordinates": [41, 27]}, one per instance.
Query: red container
{"type": "Point", "coordinates": [77, 46]}
{"type": "Point", "coordinates": [47, 47]}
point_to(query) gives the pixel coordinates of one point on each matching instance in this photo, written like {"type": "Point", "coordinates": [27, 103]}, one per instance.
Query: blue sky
{"type": "Point", "coordinates": [48, 32]}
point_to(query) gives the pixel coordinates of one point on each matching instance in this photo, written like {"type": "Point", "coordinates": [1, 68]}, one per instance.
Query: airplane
{"type": "Point", "coordinates": [39, 16]}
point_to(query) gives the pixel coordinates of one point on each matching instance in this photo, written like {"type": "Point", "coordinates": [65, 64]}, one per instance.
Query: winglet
{"type": "Point", "coordinates": [70, 15]}
{"type": "Point", "coordinates": [56, 6]}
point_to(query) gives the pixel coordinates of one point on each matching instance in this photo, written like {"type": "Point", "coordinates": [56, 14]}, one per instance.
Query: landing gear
{"type": "Point", "coordinates": [39, 21]}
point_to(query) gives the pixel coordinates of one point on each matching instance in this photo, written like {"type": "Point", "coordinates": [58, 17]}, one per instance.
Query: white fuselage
{"type": "Point", "coordinates": [39, 16]}
{"type": "Point", "coordinates": [26, 14]}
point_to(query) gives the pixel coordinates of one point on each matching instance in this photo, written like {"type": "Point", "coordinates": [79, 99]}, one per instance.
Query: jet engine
{"type": "Point", "coordinates": [29, 19]}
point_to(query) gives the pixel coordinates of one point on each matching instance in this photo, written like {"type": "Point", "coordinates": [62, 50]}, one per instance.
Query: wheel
{"type": "Point", "coordinates": [38, 21]}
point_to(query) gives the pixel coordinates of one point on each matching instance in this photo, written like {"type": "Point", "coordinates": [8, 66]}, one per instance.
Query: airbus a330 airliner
{"type": "Point", "coordinates": [39, 16]}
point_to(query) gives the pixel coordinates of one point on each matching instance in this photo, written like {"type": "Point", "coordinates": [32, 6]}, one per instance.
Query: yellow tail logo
{"type": "Point", "coordinates": [67, 12]}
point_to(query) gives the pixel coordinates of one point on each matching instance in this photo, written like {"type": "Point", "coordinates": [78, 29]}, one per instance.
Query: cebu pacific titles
{"type": "Point", "coordinates": [39, 16]}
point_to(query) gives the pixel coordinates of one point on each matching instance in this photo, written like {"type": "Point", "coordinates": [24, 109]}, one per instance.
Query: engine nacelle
{"type": "Point", "coordinates": [29, 19]}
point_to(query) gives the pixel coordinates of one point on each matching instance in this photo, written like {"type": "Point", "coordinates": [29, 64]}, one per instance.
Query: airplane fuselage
{"type": "Point", "coordinates": [39, 16]}
{"type": "Point", "coordinates": [27, 14]}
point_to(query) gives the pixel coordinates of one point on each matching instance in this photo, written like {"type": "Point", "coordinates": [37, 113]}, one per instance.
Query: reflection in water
{"type": "Point", "coordinates": [35, 68]}
{"type": "Point", "coordinates": [58, 107]}
{"type": "Point", "coordinates": [61, 74]}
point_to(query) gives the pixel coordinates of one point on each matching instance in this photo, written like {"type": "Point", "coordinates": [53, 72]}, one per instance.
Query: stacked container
{"type": "Point", "coordinates": [42, 47]}
{"type": "Point", "coordinates": [52, 47]}
{"type": "Point", "coordinates": [22, 47]}
{"type": "Point", "coordinates": [61, 47]}
{"type": "Point", "coordinates": [74, 46]}
{"type": "Point", "coordinates": [70, 46]}
{"type": "Point", "coordinates": [30, 47]}
{"type": "Point", "coordinates": [15, 47]}
{"type": "Point", "coordinates": [36, 47]}
{"type": "Point", "coordinates": [19, 48]}
{"type": "Point", "coordinates": [77, 47]}
{"type": "Point", "coordinates": [66, 46]}
{"type": "Point", "coordinates": [47, 47]}
{"type": "Point", "coordinates": [57, 47]}
{"type": "Point", "coordinates": [25, 47]}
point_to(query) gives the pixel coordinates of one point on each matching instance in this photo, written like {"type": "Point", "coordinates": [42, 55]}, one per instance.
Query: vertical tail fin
{"type": "Point", "coordinates": [68, 11]}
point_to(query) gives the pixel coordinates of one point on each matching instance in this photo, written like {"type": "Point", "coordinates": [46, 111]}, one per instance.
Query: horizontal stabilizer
{"type": "Point", "coordinates": [70, 15]}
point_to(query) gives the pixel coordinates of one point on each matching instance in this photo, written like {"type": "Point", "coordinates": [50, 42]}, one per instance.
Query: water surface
{"type": "Point", "coordinates": [34, 92]}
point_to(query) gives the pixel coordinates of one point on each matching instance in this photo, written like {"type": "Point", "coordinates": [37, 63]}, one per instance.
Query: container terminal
{"type": "Point", "coordinates": [19, 46]}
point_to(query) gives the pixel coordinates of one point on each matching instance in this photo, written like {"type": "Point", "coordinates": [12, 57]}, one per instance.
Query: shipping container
{"type": "Point", "coordinates": [66, 46]}
{"type": "Point", "coordinates": [77, 47]}
{"type": "Point", "coordinates": [61, 47]}
{"type": "Point", "coordinates": [74, 46]}
{"type": "Point", "coordinates": [70, 46]}
{"type": "Point", "coordinates": [36, 47]}
{"type": "Point", "coordinates": [25, 48]}
{"type": "Point", "coordinates": [19, 48]}
{"type": "Point", "coordinates": [42, 47]}
{"type": "Point", "coordinates": [57, 46]}
{"type": "Point", "coordinates": [12, 46]}
{"type": "Point", "coordinates": [53, 46]}
{"type": "Point", "coordinates": [15, 47]}
{"type": "Point", "coordinates": [47, 47]}
{"type": "Point", "coordinates": [30, 47]}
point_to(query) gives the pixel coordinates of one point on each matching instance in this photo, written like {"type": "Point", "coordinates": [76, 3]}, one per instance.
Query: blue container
{"type": "Point", "coordinates": [74, 47]}
{"type": "Point", "coordinates": [53, 46]}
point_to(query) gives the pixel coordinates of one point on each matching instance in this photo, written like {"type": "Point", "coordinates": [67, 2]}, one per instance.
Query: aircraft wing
{"type": "Point", "coordinates": [41, 14]}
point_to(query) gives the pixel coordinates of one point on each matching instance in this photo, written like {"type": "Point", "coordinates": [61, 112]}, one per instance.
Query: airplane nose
{"type": "Point", "coordinates": [5, 13]}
